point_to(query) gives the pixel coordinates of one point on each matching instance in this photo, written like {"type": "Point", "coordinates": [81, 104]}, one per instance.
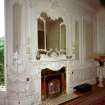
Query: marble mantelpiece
{"type": "Point", "coordinates": [55, 65]}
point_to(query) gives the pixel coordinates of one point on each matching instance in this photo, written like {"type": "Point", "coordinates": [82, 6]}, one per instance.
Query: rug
{"type": "Point", "coordinates": [91, 99]}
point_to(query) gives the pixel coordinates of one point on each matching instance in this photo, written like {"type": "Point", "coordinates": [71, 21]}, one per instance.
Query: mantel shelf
{"type": "Point", "coordinates": [51, 60]}
{"type": "Point", "coordinates": [54, 64]}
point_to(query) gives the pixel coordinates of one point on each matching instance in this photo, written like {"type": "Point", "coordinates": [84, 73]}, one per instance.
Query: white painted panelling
{"type": "Point", "coordinates": [94, 4]}
{"type": "Point", "coordinates": [101, 32]}
{"type": "Point", "coordinates": [21, 91]}
{"type": "Point", "coordinates": [3, 98]}
{"type": "Point", "coordinates": [86, 75]}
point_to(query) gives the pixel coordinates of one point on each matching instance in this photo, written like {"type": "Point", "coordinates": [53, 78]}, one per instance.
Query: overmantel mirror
{"type": "Point", "coordinates": [51, 34]}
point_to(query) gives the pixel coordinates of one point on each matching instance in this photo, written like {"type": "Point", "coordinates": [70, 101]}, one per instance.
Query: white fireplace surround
{"type": "Point", "coordinates": [54, 65]}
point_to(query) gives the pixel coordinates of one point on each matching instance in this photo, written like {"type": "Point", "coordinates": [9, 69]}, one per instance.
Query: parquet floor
{"type": "Point", "coordinates": [94, 90]}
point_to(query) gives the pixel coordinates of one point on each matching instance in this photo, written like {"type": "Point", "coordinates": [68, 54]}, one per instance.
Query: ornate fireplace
{"type": "Point", "coordinates": [53, 83]}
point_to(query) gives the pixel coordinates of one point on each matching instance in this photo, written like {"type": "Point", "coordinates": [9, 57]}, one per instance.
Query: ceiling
{"type": "Point", "coordinates": [94, 4]}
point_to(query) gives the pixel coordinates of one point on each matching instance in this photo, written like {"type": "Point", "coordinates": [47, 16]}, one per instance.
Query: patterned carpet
{"type": "Point", "coordinates": [97, 98]}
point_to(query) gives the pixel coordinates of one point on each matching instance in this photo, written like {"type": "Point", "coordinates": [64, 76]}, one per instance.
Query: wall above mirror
{"type": "Point", "coordinates": [51, 33]}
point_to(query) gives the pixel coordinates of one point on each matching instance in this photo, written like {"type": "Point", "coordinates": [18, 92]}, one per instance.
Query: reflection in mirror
{"type": "Point", "coordinates": [41, 38]}
{"type": "Point", "coordinates": [51, 33]}
{"type": "Point", "coordinates": [16, 27]}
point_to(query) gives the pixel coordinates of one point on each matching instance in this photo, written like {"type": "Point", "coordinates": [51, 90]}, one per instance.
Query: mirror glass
{"type": "Point", "coordinates": [51, 33]}
{"type": "Point", "coordinates": [41, 39]}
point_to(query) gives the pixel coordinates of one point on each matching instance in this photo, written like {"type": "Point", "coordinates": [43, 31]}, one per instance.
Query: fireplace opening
{"type": "Point", "coordinates": [53, 83]}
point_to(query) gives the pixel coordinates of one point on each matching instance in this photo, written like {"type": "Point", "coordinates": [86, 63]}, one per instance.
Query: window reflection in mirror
{"type": "Point", "coordinates": [51, 33]}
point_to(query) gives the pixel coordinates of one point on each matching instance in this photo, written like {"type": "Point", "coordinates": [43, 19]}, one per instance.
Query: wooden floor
{"type": "Point", "coordinates": [84, 95]}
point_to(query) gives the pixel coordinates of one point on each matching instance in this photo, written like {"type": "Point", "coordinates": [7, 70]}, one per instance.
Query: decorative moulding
{"type": "Point", "coordinates": [52, 55]}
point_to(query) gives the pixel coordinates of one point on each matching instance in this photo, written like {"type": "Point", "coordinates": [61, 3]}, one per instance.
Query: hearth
{"type": "Point", "coordinates": [53, 83]}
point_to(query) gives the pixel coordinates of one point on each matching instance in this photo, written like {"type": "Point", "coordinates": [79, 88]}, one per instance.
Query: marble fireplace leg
{"type": "Point", "coordinates": [69, 88]}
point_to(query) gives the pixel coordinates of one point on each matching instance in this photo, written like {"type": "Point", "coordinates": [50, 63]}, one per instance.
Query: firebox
{"type": "Point", "coordinates": [53, 83]}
